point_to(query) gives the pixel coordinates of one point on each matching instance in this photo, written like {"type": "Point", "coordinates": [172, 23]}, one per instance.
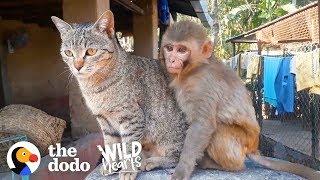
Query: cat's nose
{"type": "Point", "coordinates": [78, 64]}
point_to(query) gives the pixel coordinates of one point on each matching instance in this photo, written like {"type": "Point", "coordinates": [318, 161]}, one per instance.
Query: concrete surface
{"type": "Point", "coordinates": [253, 172]}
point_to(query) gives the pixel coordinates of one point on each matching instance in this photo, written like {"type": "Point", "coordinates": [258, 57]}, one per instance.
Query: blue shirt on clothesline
{"type": "Point", "coordinates": [271, 65]}
{"type": "Point", "coordinates": [279, 83]}
{"type": "Point", "coordinates": [285, 87]}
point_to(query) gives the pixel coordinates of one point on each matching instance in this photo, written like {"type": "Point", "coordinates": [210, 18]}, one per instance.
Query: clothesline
{"type": "Point", "coordinates": [284, 73]}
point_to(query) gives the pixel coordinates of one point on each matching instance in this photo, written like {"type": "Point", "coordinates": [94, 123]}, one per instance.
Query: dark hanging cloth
{"type": "Point", "coordinates": [164, 13]}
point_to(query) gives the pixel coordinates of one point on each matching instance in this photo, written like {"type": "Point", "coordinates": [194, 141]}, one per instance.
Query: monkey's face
{"type": "Point", "coordinates": [176, 55]}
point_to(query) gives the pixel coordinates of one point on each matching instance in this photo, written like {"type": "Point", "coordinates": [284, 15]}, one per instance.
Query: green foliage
{"type": "Point", "coordinates": [238, 16]}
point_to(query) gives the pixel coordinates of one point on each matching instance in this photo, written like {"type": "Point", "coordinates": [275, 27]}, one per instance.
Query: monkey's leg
{"type": "Point", "coordinates": [197, 139]}
{"type": "Point", "coordinates": [208, 163]}
{"type": "Point", "coordinates": [226, 151]}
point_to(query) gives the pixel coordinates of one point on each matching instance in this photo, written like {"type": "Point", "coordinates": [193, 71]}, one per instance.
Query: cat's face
{"type": "Point", "coordinates": [87, 48]}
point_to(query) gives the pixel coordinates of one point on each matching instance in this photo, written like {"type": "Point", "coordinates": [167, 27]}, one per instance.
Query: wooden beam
{"type": "Point", "coordinates": [30, 11]}
{"type": "Point", "coordinates": [79, 11]}
{"type": "Point", "coordinates": [131, 6]}
{"type": "Point", "coordinates": [13, 4]}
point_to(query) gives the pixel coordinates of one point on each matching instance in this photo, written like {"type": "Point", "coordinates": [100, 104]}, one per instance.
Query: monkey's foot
{"type": "Point", "coordinates": [155, 162]}
{"type": "Point", "coordinates": [128, 175]}
{"type": "Point", "coordinates": [208, 163]}
{"type": "Point", "coordinates": [181, 172]}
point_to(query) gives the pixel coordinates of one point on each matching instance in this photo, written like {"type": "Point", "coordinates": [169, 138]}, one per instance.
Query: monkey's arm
{"type": "Point", "coordinates": [197, 139]}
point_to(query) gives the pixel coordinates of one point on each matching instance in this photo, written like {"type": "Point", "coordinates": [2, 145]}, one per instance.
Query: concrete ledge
{"type": "Point", "coordinates": [252, 172]}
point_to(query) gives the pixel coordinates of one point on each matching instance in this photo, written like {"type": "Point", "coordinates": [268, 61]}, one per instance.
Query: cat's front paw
{"type": "Point", "coordinates": [148, 164]}
{"type": "Point", "coordinates": [128, 175]}
{"type": "Point", "coordinates": [104, 171]}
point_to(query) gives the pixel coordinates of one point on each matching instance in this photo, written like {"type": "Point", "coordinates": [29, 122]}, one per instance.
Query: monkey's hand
{"type": "Point", "coordinates": [181, 172]}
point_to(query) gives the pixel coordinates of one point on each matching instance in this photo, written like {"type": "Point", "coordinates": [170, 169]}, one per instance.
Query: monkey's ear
{"type": "Point", "coordinates": [61, 25]}
{"type": "Point", "coordinates": [105, 24]}
{"type": "Point", "coordinates": [207, 49]}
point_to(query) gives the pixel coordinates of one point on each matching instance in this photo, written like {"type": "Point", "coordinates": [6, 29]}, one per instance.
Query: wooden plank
{"type": "Point", "coordinates": [131, 6]}
{"type": "Point", "coordinates": [13, 4]}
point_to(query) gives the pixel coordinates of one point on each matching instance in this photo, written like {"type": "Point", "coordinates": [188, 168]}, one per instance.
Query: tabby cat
{"type": "Point", "coordinates": [129, 95]}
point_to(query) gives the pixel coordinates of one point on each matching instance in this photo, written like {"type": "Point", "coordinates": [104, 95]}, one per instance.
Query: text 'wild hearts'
{"type": "Point", "coordinates": [121, 156]}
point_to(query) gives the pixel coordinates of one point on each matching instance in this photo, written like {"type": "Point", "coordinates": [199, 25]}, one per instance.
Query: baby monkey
{"type": "Point", "coordinates": [223, 128]}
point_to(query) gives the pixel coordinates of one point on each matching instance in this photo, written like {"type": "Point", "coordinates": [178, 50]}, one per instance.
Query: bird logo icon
{"type": "Point", "coordinates": [23, 158]}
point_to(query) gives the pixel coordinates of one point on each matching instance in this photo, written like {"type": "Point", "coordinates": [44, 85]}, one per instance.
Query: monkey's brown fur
{"type": "Point", "coordinates": [217, 106]}
{"type": "Point", "coordinates": [210, 92]}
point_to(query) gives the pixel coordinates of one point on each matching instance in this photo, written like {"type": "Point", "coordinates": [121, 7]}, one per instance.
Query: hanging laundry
{"type": "Point", "coordinates": [164, 13]}
{"type": "Point", "coordinates": [244, 60]}
{"type": "Point", "coordinates": [271, 65]}
{"type": "Point", "coordinates": [285, 87]}
{"type": "Point", "coordinates": [307, 70]}
{"type": "Point", "coordinates": [253, 65]}
{"type": "Point", "coordinates": [233, 62]}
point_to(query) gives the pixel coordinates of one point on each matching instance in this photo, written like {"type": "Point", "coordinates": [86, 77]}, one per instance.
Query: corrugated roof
{"type": "Point", "coordinates": [196, 8]}
{"type": "Point", "coordinates": [250, 36]}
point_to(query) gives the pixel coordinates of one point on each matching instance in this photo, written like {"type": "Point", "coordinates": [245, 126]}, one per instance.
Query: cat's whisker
{"type": "Point", "coordinates": [69, 80]}
{"type": "Point", "coordinates": [65, 71]}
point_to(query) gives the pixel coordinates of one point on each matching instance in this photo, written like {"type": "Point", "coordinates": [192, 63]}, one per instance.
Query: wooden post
{"type": "Point", "coordinates": [260, 84]}
{"type": "Point", "coordinates": [145, 29]}
{"type": "Point", "coordinates": [239, 65]}
{"type": "Point", "coordinates": [315, 114]}
{"type": "Point", "coordinates": [315, 101]}
{"type": "Point", "coordinates": [78, 11]}
{"type": "Point", "coordinates": [5, 91]}
{"type": "Point", "coordinates": [233, 49]}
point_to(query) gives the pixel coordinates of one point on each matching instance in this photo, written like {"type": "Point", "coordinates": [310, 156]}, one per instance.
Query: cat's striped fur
{"type": "Point", "coordinates": [129, 95]}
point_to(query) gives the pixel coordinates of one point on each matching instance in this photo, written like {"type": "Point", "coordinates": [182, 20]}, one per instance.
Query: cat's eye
{"type": "Point", "coordinates": [68, 53]}
{"type": "Point", "coordinates": [91, 52]}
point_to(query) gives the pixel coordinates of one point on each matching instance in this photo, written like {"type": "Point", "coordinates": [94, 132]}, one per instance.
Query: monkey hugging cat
{"type": "Point", "coordinates": [132, 101]}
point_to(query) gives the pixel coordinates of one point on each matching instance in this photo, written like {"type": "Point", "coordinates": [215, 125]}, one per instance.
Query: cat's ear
{"type": "Point", "coordinates": [105, 24]}
{"type": "Point", "coordinates": [61, 25]}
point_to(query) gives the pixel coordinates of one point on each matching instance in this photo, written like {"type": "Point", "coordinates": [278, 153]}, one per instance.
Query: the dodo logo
{"type": "Point", "coordinates": [23, 158]}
